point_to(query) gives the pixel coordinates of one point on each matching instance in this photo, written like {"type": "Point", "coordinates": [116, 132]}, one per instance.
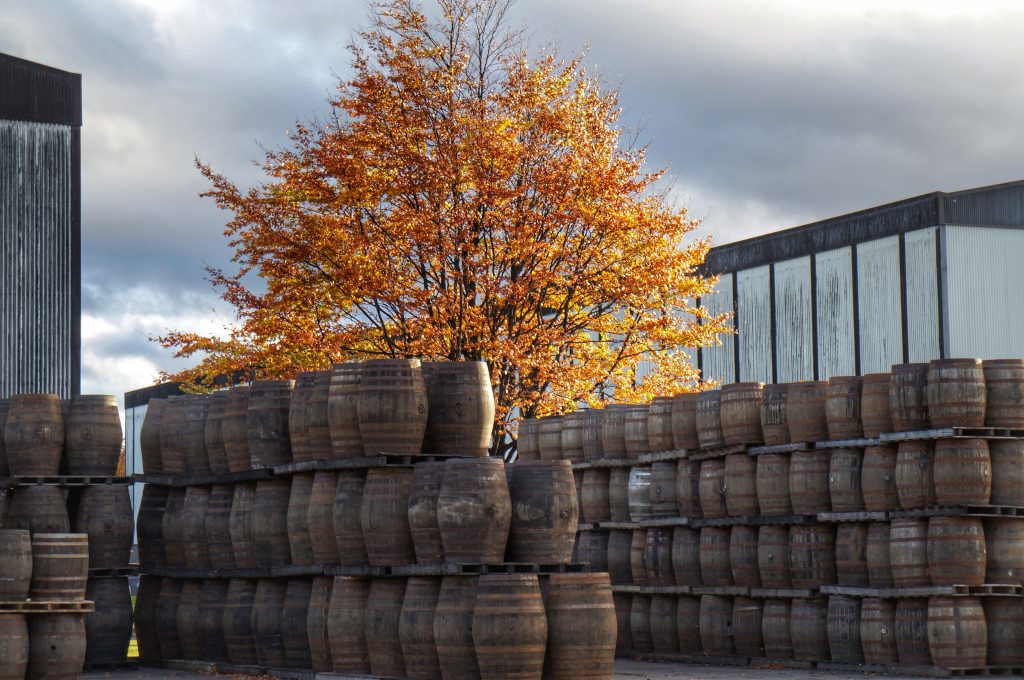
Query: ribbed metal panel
{"type": "Point", "coordinates": [879, 304]}
{"type": "Point", "coordinates": [754, 313]}
{"type": "Point", "coordinates": [794, 345]}
{"type": "Point", "coordinates": [997, 206]}
{"type": "Point", "coordinates": [38, 312]}
{"type": "Point", "coordinates": [718, 362]}
{"type": "Point", "coordinates": [39, 94]}
{"type": "Point", "coordinates": [836, 348]}
{"type": "Point", "coordinates": [922, 295]}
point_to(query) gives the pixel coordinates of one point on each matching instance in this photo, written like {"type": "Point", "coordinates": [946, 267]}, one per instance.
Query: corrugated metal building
{"type": "Point", "coordinates": [923, 278]}
{"type": "Point", "coordinates": [40, 228]}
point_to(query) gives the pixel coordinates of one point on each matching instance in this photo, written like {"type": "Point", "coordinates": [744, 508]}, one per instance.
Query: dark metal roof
{"type": "Point", "coordinates": [141, 397]}
{"type": "Point", "coordinates": [39, 94]}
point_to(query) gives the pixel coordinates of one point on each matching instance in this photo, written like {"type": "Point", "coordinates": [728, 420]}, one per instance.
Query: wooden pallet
{"type": "Point", "coordinates": [605, 463]}
{"type": "Point", "coordinates": [763, 449]}
{"type": "Point", "coordinates": [699, 659]}
{"type": "Point", "coordinates": [787, 593]}
{"type": "Point", "coordinates": [954, 433]}
{"type": "Point", "coordinates": [120, 571]}
{"type": "Point", "coordinates": [864, 516]}
{"type": "Point", "coordinates": [665, 456]}
{"type": "Point", "coordinates": [922, 671]}
{"type": "Point", "coordinates": [628, 526]}
{"type": "Point", "coordinates": [990, 590]}
{"type": "Point", "coordinates": [666, 522]}
{"type": "Point", "coordinates": [760, 520]}
{"type": "Point", "coordinates": [476, 569]}
{"type": "Point", "coordinates": [45, 607]}
{"type": "Point", "coordinates": [652, 590]}
{"type": "Point", "coordinates": [730, 591]}
{"type": "Point", "coordinates": [205, 479]}
{"type": "Point", "coordinates": [717, 452]}
{"type": "Point", "coordinates": [962, 510]}
{"type": "Point", "coordinates": [858, 443]}
{"type": "Point", "coordinates": [62, 480]}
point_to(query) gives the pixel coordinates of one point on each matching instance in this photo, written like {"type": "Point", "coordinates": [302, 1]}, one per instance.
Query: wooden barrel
{"type": "Point", "coordinates": [843, 629]}
{"type": "Point", "coordinates": [623, 611]}
{"type": "Point", "coordinates": [549, 438]}
{"type": "Point", "coordinates": [613, 430]}
{"type": "Point", "coordinates": [316, 419]}
{"type": "Point", "coordinates": [1004, 547]}
{"type": "Point", "coordinates": [267, 608]}
{"type": "Point", "coordinates": [300, 541]}
{"type": "Point", "coordinates": [34, 434]}
{"type": "Point", "coordinates": [190, 606]}
{"type": "Point", "coordinates": [775, 617]}
{"type": "Point", "coordinates": [453, 628]}
{"type": "Point", "coordinates": [634, 430]}
{"type": "Point", "coordinates": [596, 506]}
{"type": "Point", "coordinates": [805, 411]}
{"type": "Point", "coordinates": [1004, 392]}
{"type": "Point", "coordinates": [619, 563]}
{"type": "Point", "coordinates": [149, 437]}
{"type": "Point", "coordinates": [1004, 619]}
{"type": "Point", "coordinates": [962, 472]}
{"type": "Point", "coordinates": [812, 555]}
{"type": "Point", "coordinates": [192, 433]}
{"type": "Point", "coordinates": [639, 493]}
{"type": "Point", "coordinates": [809, 491]}
{"type": "Point", "coordinates": [684, 421]}
{"type": "Point", "coordinates": [475, 509]}
{"type": "Point", "coordinates": [618, 494]}
{"type": "Point", "coordinates": [460, 407]}
{"type": "Point", "coordinates": [213, 432]}
{"type": "Point", "coordinates": [714, 556]}
{"type": "Point", "coordinates": [60, 566]}
{"type": "Point", "coordinates": [912, 631]}
{"type": "Point", "coordinates": [659, 424]}
{"type": "Point", "coordinates": [234, 429]}
{"type": "Point", "coordinates": [237, 621]}
{"type": "Point", "coordinates": [746, 626]}
{"type": "Point", "coordinates": [544, 514]}
{"type": "Point", "coordinates": [572, 436]}
{"type": "Point", "coordinates": [808, 629]}
{"type": "Point", "coordinates": [166, 618]}
{"type": "Point", "coordinates": [771, 479]}
{"type": "Point", "coordinates": [908, 397]}
{"type": "Point", "coordinates": [193, 527]}
{"type": "Point", "coordinates": [92, 435]}
{"type": "Point", "coordinates": [509, 626]}
{"type": "Point", "coordinates": [294, 630]}
{"type": "Point", "coordinates": [845, 470]}
{"type": "Point", "coordinates": [740, 413]}
{"type": "Point", "coordinates": [914, 474]}
{"type": "Point", "coordinates": [108, 630]}
{"type": "Point", "coordinates": [715, 619]}
{"type": "Point", "coordinates": [592, 548]}
{"type": "Point", "coordinates": [688, 488]}
{"type": "Point", "coordinates": [658, 556]}
{"type": "Point", "coordinates": [773, 556]}
{"type": "Point", "coordinates": [146, 600]}
{"type": "Point", "coordinates": [362, 625]}
{"type": "Point", "coordinates": [348, 527]}
{"type": "Point", "coordinates": [270, 523]}
{"type": "Point", "coordinates": [416, 628]}
{"type": "Point", "coordinates": [243, 540]}
{"type": "Point", "coordinates": [957, 633]}
{"type": "Point", "coordinates": [709, 419]}
{"type": "Point", "coordinates": [218, 526]}
{"type": "Point", "coordinates": [956, 551]}
{"type": "Point", "coordinates": [211, 619]}
{"type": "Point", "coordinates": [343, 411]}
{"type": "Point", "coordinates": [686, 556]}
{"type": "Point", "coordinates": [908, 552]}
{"type": "Point", "coordinates": [316, 624]}
{"type": "Point", "coordinates": [743, 556]}
{"type": "Point", "coordinates": [664, 626]}
{"type": "Point", "coordinates": [172, 454]}
{"type": "Point", "coordinates": [687, 624]}
{"type": "Point", "coordinates": [297, 416]}
{"type": "Point", "coordinates": [878, 479]}
{"type": "Point", "coordinates": [740, 485]}
{"type": "Point", "coordinates": [712, 489]}
{"type": "Point", "coordinates": [527, 440]}
{"type": "Point", "coordinates": [150, 525]}
{"type": "Point", "coordinates": [15, 564]}
{"type": "Point", "coordinates": [1007, 457]}
{"type": "Point", "coordinates": [39, 509]}
{"type": "Point", "coordinates": [393, 406]}
{"type": "Point", "coordinates": [577, 482]}
{"type": "Point", "coordinates": [640, 623]}
{"type": "Point", "coordinates": [878, 630]}
{"type": "Point", "coordinates": [105, 514]}
{"type": "Point", "coordinates": [426, 535]}
{"type": "Point", "coordinates": [956, 393]}
{"type": "Point", "coordinates": [774, 423]}
{"type": "Point", "coordinates": [384, 516]}
{"type": "Point", "coordinates": [56, 646]}
{"type": "Point", "coordinates": [267, 422]}
{"type": "Point", "coordinates": [842, 407]}
{"type": "Point", "coordinates": [663, 489]}
{"type": "Point", "coordinates": [877, 552]}
{"type": "Point", "coordinates": [637, 554]}
{"type": "Point", "coordinates": [875, 412]}
{"type": "Point", "coordinates": [593, 448]}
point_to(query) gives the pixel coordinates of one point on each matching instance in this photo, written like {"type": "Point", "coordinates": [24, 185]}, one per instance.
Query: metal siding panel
{"type": "Point", "coordinates": [718, 361]}
{"type": "Point", "coordinates": [878, 293]}
{"type": "Point", "coordinates": [754, 310]}
{"type": "Point", "coordinates": [834, 271]}
{"type": "Point", "coordinates": [922, 295]}
{"type": "Point", "coordinates": [794, 344]}
{"type": "Point", "coordinates": [995, 206]}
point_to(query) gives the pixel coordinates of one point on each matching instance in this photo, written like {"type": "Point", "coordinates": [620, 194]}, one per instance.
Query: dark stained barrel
{"type": "Point", "coordinates": [912, 631]}
{"type": "Point", "coordinates": [41, 509]}
{"type": "Point", "coordinates": [596, 503]}
{"type": "Point", "coordinates": [664, 631]}
{"type": "Point", "coordinates": [343, 411]}
{"type": "Point", "coordinates": [714, 556]}
{"type": "Point", "coordinates": [294, 623]}
{"type": "Point", "coordinates": [92, 435]}
{"type": "Point", "coordinates": [771, 479]}
{"type": "Point", "coordinates": [166, 618]}
{"type": "Point", "coordinates": [146, 635]}
{"type": "Point", "coordinates": [211, 619]}
{"type": "Point", "coordinates": [637, 554]}
{"type": "Point", "coordinates": [384, 516]}
{"type": "Point", "coordinates": [549, 438]}
{"type": "Point", "coordinates": [663, 489]}
{"type": "Point", "coordinates": [1004, 547]}
{"type": "Point", "coordinates": [877, 551]}
{"type": "Point", "coordinates": [34, 434]}
{"type": "Point", "coordinates": [1007, 456]}
{"type": "Point", "coordinates": [908, 397]}
{"type": "Point", "coordinates": [297, 434]}
{"type": "Point", "coordinates": [190, 607]}
{"type": "Point", "coordinates": [527, 440]}
{"type": "Point", "coordinates": [805, 411]}
{"type": "Point", "coordinates": [716, 625]}
{"type": "Point", "coordinates": [957, 632]}
{"type": "Point", "coordinates": [426, 535]}
{"type": "Point", "coordinates": [15, 564]}
{"type": "Point", "coordinates": [618, 494]}
{"type": "Point", "coordinates": [316, 624]}
{"type": "Point", "coordinates": [509, 626]}
{"type": "Point", "coordinates": [460, 407]}
{"type": "Point", "coordinates": [393, 406]}
{"type": "Point", "coordinates": [613, 430]}
{"type": "Point", "coordinates": [623, 611]}
{"type": "Point", "coordinates": [243, 540]}
{"type": "Point", "coordinates": [349, 625]}
{"type": "Point", "coordinates": [639, 493]}
{"type": "Point", "coordinates": [267, 422]}
{"type": "Point", "coordinates": [149, 437]}
{"type": "Point", "coordinates": [878, 630]}
{"type": "Point", "coordinates": [684, 421]}
{"type": "Point", "coordinates": [659, 424]}
{"type": "Point", "coordinates": [416, 628]}
{"type": "Point", "coordinates": [686, 556]}
{"type": "Point", "coordinates": [193, 527]}
{"type": "Point", "coordinates": [658, 557]}
{"type": "Point", "coordinates": [348, 528]}
{"type": "Point", "coordinates": [213, 432]}
{"type": "Point", "coordinates": [741, 413]}
{"type": "Point", "coordinates": [956, 551]}
{"type": "Point", "coordinates": [687, 624]}
{"type": "Point", "coordinates": [843, 627]}
{"type": "Point", "coordinates": [878, 479]}
{"type": "Point", "coordinates": [774, 424]}
{"type": "Point", "coordinates": [234, 429]}
{"type": "Point", "coordinates": [640, 623]}
{"type": "Point", "coordinates": [270, 523]}
{"type": "Point", "coordinates": [812, 560]}
{"type": "Point", "coordinates": [56, 646]}
{"type": "Point", "coordinates": [172, 456]}
{"type": "Point", "coordinates": [844, 480]}
{"type": "Point", "coordinates": [453, 628]}
{"type": "Point", "coordinates": [842, 407]}
{"type": "Point", "coordinates": [746, 626]}
{"type": "Point", "coordinates": [775, 634]}
{"type": "Point", "coordinates": [237, 621]}
{"type": "Point", "coordinates": [577, 481]}
{"type": "Point", "coordinates": [956, 393]}
{"type": "Point", "coordinates": [60, 566]}
{"type": "Point", "coordinates": [475, 510]}
{"type": "Point", "coordinates": [300, 542]}
{"type": "Point", "coordinates": [1004, 392]}
{"type": "Point", "coordinates": [809, 491]}
{"type": "Point", "coordinates": [267, 606]}
{"type": "Point", "coordinates": [709, 419]}
{"type": "Point", "coordinates": [740, 485]}
{"type": "Point", "coordinates": [875, 413]}
{"type": "Point", "coordinates": [712, 489]}
{"type": "Point", "coordinates": [908, 552]}
{"type": "Point", "coordinates": [635, 430]}
{"type": "Point", "coordinates": [808, 629]}
{"type": "Point", "coordinates": [592, 548]}
{"type": "Point", "coordinates": [743, 557]}
{"type": "Point", "coordinates": [218, 526]}
{"type": "Point", "coordinates": [773, 556]}
{"type": "Point", "coordinates": [572, 436]}
{"type": "Point", "coordinates": [619, 564]}
{"type": "Point", "coordinates": [593, 448]}
{"type": "Point", "coordinates": [1004, 619]}
{"type": "Point", "coordinates": [688, 488]}
{"type": "Point", "coordinates": [962, 472]}
{"type": "Point", "coordinates": [105, 514]}
{"type": "Point", "coordinates": [914, 474]}
{"type": "Point", "coordinates": [192, 434]}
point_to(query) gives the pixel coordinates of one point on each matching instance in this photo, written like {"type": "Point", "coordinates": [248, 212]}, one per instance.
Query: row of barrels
{"type": "Point", "coordinates": [903, 553]}
{"type": "Point", "coordinates": [941, 393]}
{"type": "Point", "coordinates": [456, 627]}
{"type": "Point", "coordinates": [459, 510]}
{"type": "Point", "coordinates": [354, 410]}
{"type": "Point", "coordinates": [946, 632]}
{"type": "Point", "coordinates": [41, 434]}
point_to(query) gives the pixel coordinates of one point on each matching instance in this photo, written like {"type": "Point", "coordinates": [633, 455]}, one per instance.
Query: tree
{"type": "Point", "coordinates": [463, 200]}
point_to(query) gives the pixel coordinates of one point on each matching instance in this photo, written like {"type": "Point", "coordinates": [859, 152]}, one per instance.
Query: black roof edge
{"type": "Point", "coordinates": [37, 93]}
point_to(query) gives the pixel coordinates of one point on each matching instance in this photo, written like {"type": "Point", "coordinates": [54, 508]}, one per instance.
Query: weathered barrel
{"type": "Point", "coordinates": [146, 601]}
{"type": "Point", "coordinates": [623, 610]}
{"type": "Point", "coordinates": [956, 393]}
{"type": "Point", "coordinates": [956, 551]}
{"type": "Point", "coordinates": [348, 527]}
{"type": "Point", "coordinates": [237, 621]}
{"type": "Point", "coordinates": [619, 564]}
{"type": "Point", "coordinates": [577, 481]}
{"type": "Point", "coordinates": [877, 552]}
{"type": "Point", "coordinates": [105, 514]}
{"type": "Point", "coordinates": [393, 406]}
{"type": "Point", "coordinates": [709, 419]}
{"type": "Point", "coordinates": [56, 646]}
{"type": "Point", "coordinates": [775, 616]}
{"type": "Point", "coordinates": [1007, 457]}
{"type": "Point", "coordinates": [746, 626]}
{"type": "Point", "coordinates": [475, 511]}
{"type": "Point", "coordinates": [426, 535]}
{"type": "Point", "coordinates": [809, 491]}
{"type": "Point", "coordinates": [808, 629]}
{"type": "Point", "coordinates": [34, 434]}
{"type": "Point", "coordinates": [592, 548]}
{"type": "Point", "coordinates": [460, 407]}
{"type": "Point", "coordinates": [297, 434]}
{"type": "Point", "coordinates": [773, 556]}
{"type": "Point", "coordinates": [843, 628]}
{"type": "Point", "coordinates": [213, 432]}
{"type": "Point", "coordinates": [1004, 619]}
{"type": "Point", "coordinates": [267, 422]}
{"type": "Point", "coordinates": [658, 556]}
{"type": "Point", "coordinates": [812, 555]}
{"type": "Point", "coordinates": [15, 564]}
{"type": "Point", "coordinates": [914, 474]}
{"type": "Point", "coordinates": [234, 429]}
{"type": "Point", "coordinates": [416, 628]}
{"type": "Point", "coordinates": [842, 407]}
{"type": "Point", "coordinates": [618, 494]}
{"type": "Point", "coordinates": [108, 630]}
{"type": "Point", "coordinates": [243, 540]}
{"type": "Point", "coordinates": [549, 438]}
{"type": "Point", "coordinates": [166, 618]}
{"type": "Point", "coordinates": [300, 542]}
{"type": "Point", "coordinates": [595, 507]}
{"type": "Point", "coordinates": [1004, 547]}
{"type": "Point", "coordinates": [663, 489]}
{"type": "Point", "coordinates": [774, 424]}
{"type": "Point", "coordinates": [659, 424]}
{"type": "Point", "coordinates": [805, 411]}
{"type": "Point", "coordinates": [875, 412]}
{"type": "Point", "coordinates": [687, 487]}
{"type": "Point", "coordinates": [634, 428]}
{"type": "Point", "coordinates": [270, 523]}
{"type": "Point", "coordinates": [316, 624]}
{"type": "Point", "coordinates": [343, 411]}
{"type": "Point", "coordinates": [1004, 392]}
{"type": "Point", "coordinates": [684, 421]}
{"type": "Point", "coordinates": [172, 454]}
{"type": "Point", "coordinates": [60, 566]}
{"type": "Point", "coordinates": [639, 493]}
{"type": "Point", "coordinates": [771, 479]}
{"type": "Point", "coordinates": [294, 629]}
{"type": "Point", "coordinates": [572, 436]}
{"type": "Point", "coordinates": [510, 628]}
{"type": "Point", "coordinates": [957, 632]}
{"type": "Point", "coordinates": [908, 397]}
{"type": "Point", "coordinates": [878, 479]}
{"type": "Point", "coordinates": [92, 435]}
{"type": "Point", "coordinates": [362, 625]}
{"type": "Point", "coordinates": [527, 440]}
{"type": "Point", "coordinates": [851, 554]}
{"type": "Point", "coordinates": [317, 419]}
{"type": "Point", "coordinates": [878, 630]}
{"type": "Point", "coordinates": [149, 437]}
{"type": "Point", "coordinates": [193, 527]}
{"type": "Point", "coordinates": [593, 448]}
{"type": "Point", "coordinates": [267, 606]}
{"type": "Point", "coordinates": [714, 556]}
{"type": "Point", "coordinates": [712, 489]}
{"type": "Point", "coordinates": [637, 554]}
{"type": "Point", "coordinates": [740, 485]}
{"type": "Point", "coordinates": [716, 625]}
{"type": "Point", "coordinates": [962, 472]}
{"type": "Point", "coordinates": [453, 628]}
{"type": "Point", "coordinates": [320, 517]}
{"type": "Point", "coordinates": [41, 509]}
{"type": "Point", "coordinates": [190, 605]}
{"type": "Point", "coordinates": [217, 524]}
{"type": "Point", "coordinates": [686, 556]}
{"type": "Point", "coordinates": [912, 631]}
{"type": "Point", "coordinates": [150, 525]}
{"type": "Point", "coordinates": [908, 552]}
{"type": "Point", "coordinates": [384, 516]}
{"type": "Point", "coordinates": [211, 619]}
{"type": "Point", "coordinates": [613, 430]}
{"type": "Point", "coordinates": [192, 433]}
{"type": "Point", "coordinates": [687, 624]}
{"type": "Point", "coordinates": [640, 623]}
{"type": "Point", "coordinates": [743, 556]}
{"type": "Point", "coordinates": [740, 413]}
{"type": "Point", "coordinates": [844, 479]}
{"type": "Point", "coordinates": [544, 512]}
{"type": "Point", "coordinates": [664, 626]}
{"type": "Point", "coordinates": [173, 528]}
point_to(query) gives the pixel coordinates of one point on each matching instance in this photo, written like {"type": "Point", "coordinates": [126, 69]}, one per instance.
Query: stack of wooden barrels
{"type": "Point", "coordinates": [59, 459]}
{"type": "Point", "coordinates": [861, 520]}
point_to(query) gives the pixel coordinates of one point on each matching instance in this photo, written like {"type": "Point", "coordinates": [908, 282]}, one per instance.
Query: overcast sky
{"type": "Point", "coordinates": [768, 114]}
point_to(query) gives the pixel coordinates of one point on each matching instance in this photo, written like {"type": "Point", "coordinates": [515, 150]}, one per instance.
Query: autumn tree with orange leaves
{"type": "Point", "coordinates": [465, 199]}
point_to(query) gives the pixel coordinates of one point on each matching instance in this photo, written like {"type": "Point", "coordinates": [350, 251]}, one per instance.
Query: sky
{"type": "Point", "coordinates": [767, 115]}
